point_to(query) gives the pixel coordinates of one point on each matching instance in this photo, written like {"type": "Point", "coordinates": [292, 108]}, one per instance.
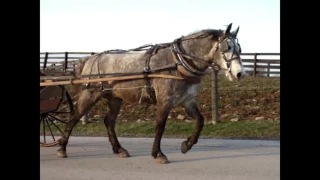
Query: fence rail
{"type": "Point", "coordinates": [256, 64]}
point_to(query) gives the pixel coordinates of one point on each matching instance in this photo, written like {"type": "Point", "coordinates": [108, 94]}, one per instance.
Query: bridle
{"type": "Point", "coordinates": [222, 46]}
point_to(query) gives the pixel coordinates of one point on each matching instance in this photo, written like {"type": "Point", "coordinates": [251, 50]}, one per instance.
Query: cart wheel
{"type": "Point", "coordinates": [53, 122]}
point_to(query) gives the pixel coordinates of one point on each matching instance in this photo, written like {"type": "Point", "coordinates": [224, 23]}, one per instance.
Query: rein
{"type": "Point", "coordinates": [183, 62]}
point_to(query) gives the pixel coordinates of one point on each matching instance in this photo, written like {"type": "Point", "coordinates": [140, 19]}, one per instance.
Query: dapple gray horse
{"type": "Point", "coordinates": [187, 57]}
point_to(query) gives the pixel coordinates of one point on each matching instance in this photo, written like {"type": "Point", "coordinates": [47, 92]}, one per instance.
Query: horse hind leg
{"type": "Point", "coordinates": [193, 111]}
{"type": "Point", "coordinates": [114, 105]}
{"type": "Point", "coordinates": [85, 101]}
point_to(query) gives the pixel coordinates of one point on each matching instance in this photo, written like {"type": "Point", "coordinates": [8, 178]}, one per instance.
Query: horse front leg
{"type": "Point", "coordinates": [193, 111]}
{"type": "Point", "coordinates": [163, 110]}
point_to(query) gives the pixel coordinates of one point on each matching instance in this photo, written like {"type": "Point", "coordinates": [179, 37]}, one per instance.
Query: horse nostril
{"type": "Point", "coordinates": [238, 75]}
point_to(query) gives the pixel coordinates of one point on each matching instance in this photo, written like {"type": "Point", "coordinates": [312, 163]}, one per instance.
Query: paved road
{"type": "Point", "coordinates": [91, 158]}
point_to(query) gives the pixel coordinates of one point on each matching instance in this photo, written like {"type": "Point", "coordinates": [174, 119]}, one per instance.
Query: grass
{"type": "Point", "coordinates": [241, 129]}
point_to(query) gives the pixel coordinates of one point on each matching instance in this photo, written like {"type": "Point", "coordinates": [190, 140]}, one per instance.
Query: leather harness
{"type": "Point", "coordinates": [183, 63]}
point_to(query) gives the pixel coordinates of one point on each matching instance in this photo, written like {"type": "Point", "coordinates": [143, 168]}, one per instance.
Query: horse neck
{"type": "Point", "coordinates": [190, 48]}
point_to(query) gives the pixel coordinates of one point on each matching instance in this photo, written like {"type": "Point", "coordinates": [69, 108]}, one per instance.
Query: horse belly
{"type": "Point", "coordinates": [132, 92]}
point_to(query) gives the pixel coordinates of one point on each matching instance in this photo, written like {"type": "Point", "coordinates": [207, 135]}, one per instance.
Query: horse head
{"type": "Point", "coordinates": [216, 48]}
{"type": "Point", "coordinates": [228, 53]}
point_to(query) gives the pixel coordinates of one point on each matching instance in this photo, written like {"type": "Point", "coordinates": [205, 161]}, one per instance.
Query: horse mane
{"type": "Point", "coordinates": [215, 32]}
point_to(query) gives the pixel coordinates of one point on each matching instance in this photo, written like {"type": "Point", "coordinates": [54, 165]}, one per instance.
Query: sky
{"type": "Point", "coordinates": [99, 25]}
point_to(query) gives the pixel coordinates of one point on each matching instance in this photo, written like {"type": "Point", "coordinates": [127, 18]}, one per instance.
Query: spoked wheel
{"type": "Point", "coordinates": [56, 109]}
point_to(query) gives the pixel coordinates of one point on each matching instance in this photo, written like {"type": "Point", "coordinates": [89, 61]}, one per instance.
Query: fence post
{"type": "Point", "coordinates": [269, 69]}
{"type": "Point", "coordinates": [74, 67]}
{"type": "Point", "coordinates": [66, 62]}
{"type": "Point", "coordinates": [45, 61]}
{"type": "Point", "coordinates": [214, 97]}
{"type": "Point", "coordinates": [255, 65]}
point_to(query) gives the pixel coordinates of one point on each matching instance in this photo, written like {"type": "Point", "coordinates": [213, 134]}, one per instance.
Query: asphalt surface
{"type": "Point", "coordinates": [91, 158]}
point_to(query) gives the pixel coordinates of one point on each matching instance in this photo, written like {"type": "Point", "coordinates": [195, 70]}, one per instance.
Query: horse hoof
{"type": "Point", "coordinates": [184, 147]}
{"type": "Point", "coordinates": [162, 160]}
{"type": "Point", "coordinates": [62, 154]}
{"type": "Point", "coordinates": [123, 153]}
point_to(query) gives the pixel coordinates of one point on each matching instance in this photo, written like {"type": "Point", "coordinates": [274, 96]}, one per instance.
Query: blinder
{"type": "Point", "coordinates": [225, 46]}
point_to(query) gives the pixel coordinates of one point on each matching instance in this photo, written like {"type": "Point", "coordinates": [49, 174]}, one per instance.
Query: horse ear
{"type": "Point", "coordinates": [227, 31]}
{"type": "Point", "coordinates": [235, 32]}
